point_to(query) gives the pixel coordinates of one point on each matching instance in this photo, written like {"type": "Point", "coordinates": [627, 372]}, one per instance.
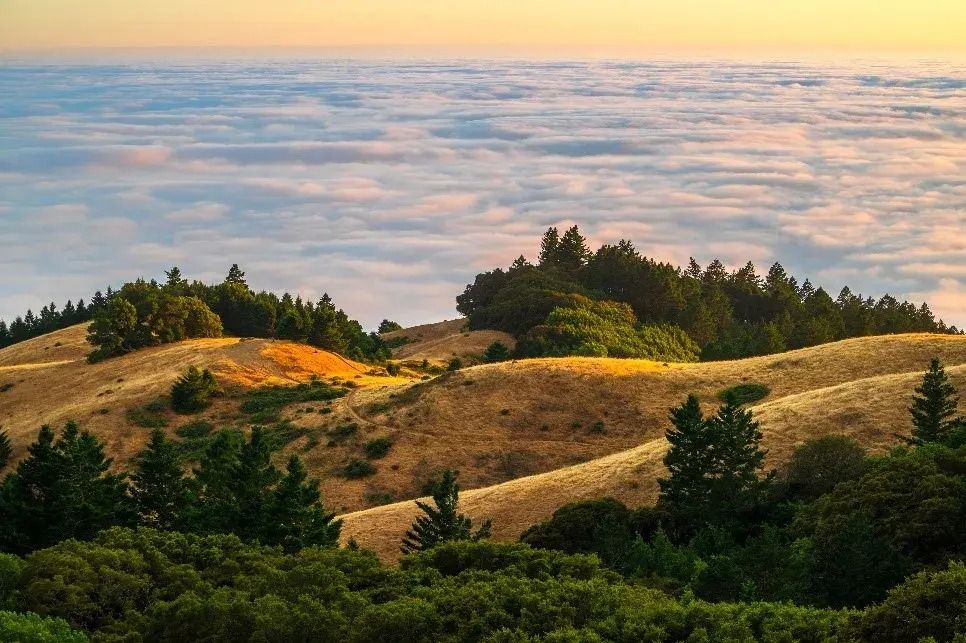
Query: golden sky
{"type": "Point", "coordinates": [498, 25]}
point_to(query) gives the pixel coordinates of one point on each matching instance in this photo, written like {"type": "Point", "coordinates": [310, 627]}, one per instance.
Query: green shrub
{"type": "Point", "coordinates": [455, 364]}
{"type": "Point", "coordinates": [11, 568]}
{"type": "Point", "coordinates": [265, 404]}
{"type": "Point", "coordinates": [496, 352]}
{"type": "Point", "coordinates": [191, 392]}
{"type": "Point", "coordinates": [393, 368]}
{"type": "Point", "coordinates": [32, 628]}
{"type": "Point", "coordinates": [6, 387]}
{"type": "Point", "coordinates": [744, 393]}
{"type": "Point", "coordinates": [377, 448]}
{"type": "Point", "coordinates": [147, 418]}
{"type": "Point", "coordinates": [195, 430]}
{"type": "Point", "coordinates": [819, 465]}
{"type": "Point", "coordinates": [358, 469]}
{"type": "Point", "coordinates": [342, 433]}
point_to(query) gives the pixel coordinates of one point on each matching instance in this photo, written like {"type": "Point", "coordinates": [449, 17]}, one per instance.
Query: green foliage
{"type": "Point", "coordinates": [265, 404]}
{"type": "Point", "coordinates": [602, 328]}
{"type": "Point", "coordinates": [496, 352]}
{"type": "Point", "coordinates": [358, 469]}
{"type": "Point", "coordinates": [934, 407]}
{"type": "Point", "coordinates": [11, 570]}
{"type": "Point", "coordinates": [147, 417]}
{"type": "Point", "coordinates": [455, 364]}
{"type": "Point", "coordinates": [377, 448]}
{"type": "Point", "coordinates": [388, 326]}
{"type": "Point", "coordinates": [190, 392]}
{"type": "Point", "coordinates": [62, 489]}
{"type": "Point", "coordinates": [929, 604]}
{"type": "Point", "coordinates": [158, 484]}
{"type": "Point", "coordinates": [195, 430]}
{"type": "Point", "coordinates": [604, 527]}
{"type": "Point", "coordinates": [31, 628]}
{"type": "Point", "coordinates": [393, 368]}
{"type": "Point", "coordinates": [744, 393]}
{"type": "Point", "coordinates": [819, 465]}
{"type": "Point", "coordinates": [442, 522]}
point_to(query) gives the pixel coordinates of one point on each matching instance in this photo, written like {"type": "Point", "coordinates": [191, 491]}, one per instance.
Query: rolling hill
{"type": "Point", "coordinates": [526, 436]}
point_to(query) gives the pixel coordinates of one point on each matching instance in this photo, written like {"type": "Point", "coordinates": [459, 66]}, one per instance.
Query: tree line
{"type": "Point", "coordinates": [727, 314]}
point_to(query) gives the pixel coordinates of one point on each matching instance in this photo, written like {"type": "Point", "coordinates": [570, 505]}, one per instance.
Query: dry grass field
{"type": "Point", "coordinates": [440, 342]}
{"type": "Point", "coordinates": [526, 436]}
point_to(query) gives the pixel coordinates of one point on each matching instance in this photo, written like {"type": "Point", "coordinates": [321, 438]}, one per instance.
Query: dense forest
{"type": "Point", "coordinates": [143, 313]}
{"type": "Point", "coordinates": [620, 303]}
{"type": "Point", "coordinates": [834, 546]}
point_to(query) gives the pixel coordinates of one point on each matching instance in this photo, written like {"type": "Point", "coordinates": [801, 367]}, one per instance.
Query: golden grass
{"type": "Point", "coordinates": [440, 342]}
{"type": "Point", "coordinates": [856, 387]}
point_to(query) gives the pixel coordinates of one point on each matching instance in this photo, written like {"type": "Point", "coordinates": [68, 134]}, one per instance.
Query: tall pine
{"type": "Point", "coordinates": [442, 522]}
{"type": "Point", "coordinates": [934, 406]}
{"type": "Point", "coordinates": [158, 485]}
{"type": "Point", "coordinates": [295, 517]}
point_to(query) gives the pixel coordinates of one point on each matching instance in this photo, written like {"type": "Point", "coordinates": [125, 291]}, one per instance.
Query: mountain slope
{"type": "Point", "coordinates": [440, 342]}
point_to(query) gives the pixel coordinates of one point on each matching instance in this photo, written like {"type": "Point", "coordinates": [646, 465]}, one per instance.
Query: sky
{"type": "Point", "coordinates": [390, 183]}
{"type": "Point", "coordinates": [562, 26]}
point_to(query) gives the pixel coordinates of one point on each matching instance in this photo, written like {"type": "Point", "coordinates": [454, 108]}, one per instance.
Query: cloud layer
{"type": "Point", "coordinates": [390, 184]}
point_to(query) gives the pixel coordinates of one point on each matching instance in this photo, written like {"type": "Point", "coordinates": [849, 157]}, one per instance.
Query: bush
{"type": "Point", "coordinates": [195, 430]}
{"type": "Point", "coordinates": [819, 465]}
{"type": "Point", "coordinates": [147, 417]}
{"type": "Point", "coordinates": [496, 352]}
{"type": "Point", "coordinates": [190, 393]}
{"type": "Point", "coordinates": [358, 469]}
{"type": "Point", "coordinates": [393, 368]}
{"type": "Point", "coordinates": [455, 364]}
{"type": "Point", "coordinates": [603, 527]}
{"type": "Point", "coordinates": [265, 404]}
{"type": "Point", "coordinates": [32, 628]}
{"type": "Point", "coordinates": [377, 448]}
{"type": "Point", "coordinates": [744, 393]}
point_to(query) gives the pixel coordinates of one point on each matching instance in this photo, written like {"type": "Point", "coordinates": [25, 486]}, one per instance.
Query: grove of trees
{"type": "Point", "coordinates": [575, 301]}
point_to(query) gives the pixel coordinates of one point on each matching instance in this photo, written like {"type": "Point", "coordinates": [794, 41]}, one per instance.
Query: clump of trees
{"type": "Point", "coordinates": [67, 488]}
{"type": "Point", "coordinates": [727, 314]}
{"type": "Point", "coordinates": [190, 392]}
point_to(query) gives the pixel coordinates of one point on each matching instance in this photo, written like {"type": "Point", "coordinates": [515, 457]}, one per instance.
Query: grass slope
{"type": "Point", "coordinates": [440, 342]}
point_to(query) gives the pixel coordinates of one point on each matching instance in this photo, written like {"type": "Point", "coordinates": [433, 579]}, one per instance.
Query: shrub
{"type": "Point", "coordinates": [455, 364]}
{"type": "Point", "coordinates": [358, 469]}
{"type": "Point", "coordinates": [147, 418]}
{"type": "Point", "coordinates": [195, 430]}
{"type": "Point", "coordinates": [393, 368]}
{"type": "Point", "coordinates": [819, 465]}
{"type": "Point", "coordinates": [6, 387]}
{"type": "Point", "coordinates": [744, 393]}
{"type": "Point", "coordinates": [377, 448]}
{"type": "Point", "coordinates": [496, 352]}
{"type": "Point", "coordinates": [190, 393]}
{"type": "Point", "coordinates": [265, 404]}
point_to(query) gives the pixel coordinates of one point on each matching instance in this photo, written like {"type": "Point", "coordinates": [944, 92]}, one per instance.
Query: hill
{"type": "Point", "coordinates": [855, 387]}
{"type": "Point", "coordinates": [440, 342]}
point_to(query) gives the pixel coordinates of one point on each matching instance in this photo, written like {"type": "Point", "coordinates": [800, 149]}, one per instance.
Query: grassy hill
{"type": "Point", "coordinates": [526, 436]}
{"type": "Point", "coordinates": [440, 342]}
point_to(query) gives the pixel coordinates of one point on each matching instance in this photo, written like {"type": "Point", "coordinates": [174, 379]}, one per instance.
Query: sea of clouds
{"type": "Point", "coordinates": [391, 184]}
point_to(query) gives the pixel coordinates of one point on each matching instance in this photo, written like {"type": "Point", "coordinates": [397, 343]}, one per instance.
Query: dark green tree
{"type": "Point", "coordinates": [255, 476]}
{"type": "Point", "coordinates": [496, 352]}
{"type": "Point", "coordinates": [934, 406]}
{"type": "Point", "coordinates": [442, 522]}
{"type": "Point", "coordinates": [236, 276]}
{"type": "Point", "coordinates": [548, 247]}
{"type": "Point", "coordinates": [819, 465]}
{"type": "Point", "coordinates": [295, 517]}
{"type": "Point", "coordinates": [158, 484]}
{"type": "Point", "coordinates": [190, 392]}
{"type": "Point", "coordinates": [388, 326]}
{"type": "Point", "coordinates": [572, 251]}
{"type": "Point", "coordinates": [113, 330]}
{"type": "Point", "coordinates": [62, 489]}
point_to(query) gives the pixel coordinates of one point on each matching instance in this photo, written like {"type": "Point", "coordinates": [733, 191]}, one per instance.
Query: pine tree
{"type": "Point", "coordinates": [714, 465]}
{"type": "Point", "coordinates": [443, 522]}
{"type": "Point", "coordinates": [191, 391]}
{"type": "Point", "coordinates": [548, 247]}
{"type": "Point", "coordinates": [296, 517]}
{"type": "Point", "coordinates": [214, 505]}
{"type": "Point", "coordinates": [5, 449]}
{"type": "Point", "coordinates": [572, 251]}
{"type": "Point", "coordinates": [158, 485]}
{"type": "Point", "coordinates": [254, 477]}
{"type": "Point", "coordinates": [934, 407]}
{"type": "Point", "coordinates": [61, 490]}
{"type": "Point", "coordinates": [175, 284]}
{"type": "Point", "coordinates": [236, 276]}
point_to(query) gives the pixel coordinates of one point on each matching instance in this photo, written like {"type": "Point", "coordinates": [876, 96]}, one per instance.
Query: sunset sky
{"type": "Point", "coordinates": [500, 25]}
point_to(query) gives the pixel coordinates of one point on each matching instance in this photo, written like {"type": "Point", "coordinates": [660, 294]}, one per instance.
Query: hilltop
{"type": "Point", "coordinates": [440, 342]}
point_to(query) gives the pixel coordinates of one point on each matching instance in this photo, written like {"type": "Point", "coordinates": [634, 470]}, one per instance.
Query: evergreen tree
{"type": "Point", "coordinates": [714, 466]}
{"type": "Point", "coordinates": [572, 251]}
{"type": "Point", "coordinates": [548, 247]}
{"type": "Point", "coordinates": [214, 505]}
{"type": "Point", "coordinates": [255, 476]}
{"type": "Point", "coordinates": [496, 352]}
{"type": "Point", "coordinates": [296, 517]}
{"type": "Point", "coordinates": [191, 391]}
{"type": "Point", "coordinates": [443, 522]}
{"type": "Point", "coordinates": [236, 276]}
{"type": "Point", "coordinates": [61, 490]}
{"type": "Point", "coordinates": [114, 329]}
{"type": "Point", "coordinates": [5, 449]}
{"type": "Point", "coordinates": [388, 326]}
{"type": "Point", "coordinates": [158, 484]}
{"type": "Point", "coordinates": [934, 407]}
{"type": "Point", "coordinates": [175, 284]}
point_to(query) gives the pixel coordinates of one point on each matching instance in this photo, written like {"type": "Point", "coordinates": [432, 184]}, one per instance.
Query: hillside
{"type": "Point", "coordinates": [856, 387]}
{"type": "Point", "coordinates": [525, 435]}
{"type": "Point", "coordinates": [440, 342]}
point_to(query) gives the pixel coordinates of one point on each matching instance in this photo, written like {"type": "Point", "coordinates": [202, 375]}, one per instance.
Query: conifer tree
{"type": "Point", "coordinates": [61, 490]}
{"type": "Point", "coordinates": [548, 247]}
{"type": "Point", "coordinates": [191, 391]}
{"type": "Point", "coordinates": [572, 251]}
{"type": "Point", "coordinates": [254, 477]}
{"type": "Point", "coordinates": [236, 276]}
{"type": "Point", "coordinates": [158, 485]}
{"type": "Point", "coordinates": [443, 522]}
{"type": "Point", "coordinates": [214, 506]}
{"type": "Point", "coordinates": [296, 517]}
{"type": "Point", "coordinates": [934, 407]}
{"type": "Point", "coordinates": [5, 449]}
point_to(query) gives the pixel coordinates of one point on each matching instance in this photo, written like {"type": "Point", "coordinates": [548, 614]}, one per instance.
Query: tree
{"type": "Point", "coordinates": [5, 449]}
{"type": "Point", "coordinates": [548, 247]}
{"type": "Point", "coordinates": [388, 326]}
{"type": "Point", "coordinates": [61, 490]}
{"type": "Point", "coordinates": [819, 465]}
{"type": "Point", "coordinates": [572, 252]}
{"type": "Point", "coordinates": [442, 523]}
{"type": "Point", "coordinates": [114, 329]}
{"type": "Point", "coordinates": [713, 464]}
{"type": "Point", "coordinates": [158, 485]}
{"type": "Point", "coordinates": [934, 407]}
{"type": "Point", "coordinates": [236, 276]}
{"type": "Point", "coordinates": [496, 352]}
{"type": "Point", "coordinates": [296, 517]}
{"type": "Point", "coordinates": [254, 477]}
{"type": "Point", "coordinates": [191, 391]}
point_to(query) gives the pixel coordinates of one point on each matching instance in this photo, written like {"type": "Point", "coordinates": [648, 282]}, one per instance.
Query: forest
{"type": "Point", "coordinates": [616, 302]}
{"type": "Point", "coordinates": [837, 545]}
